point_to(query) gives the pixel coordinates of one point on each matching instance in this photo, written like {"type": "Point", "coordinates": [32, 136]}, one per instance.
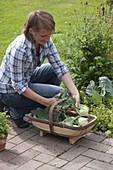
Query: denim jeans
{"type": "Point", "coordinates": [43, 81]}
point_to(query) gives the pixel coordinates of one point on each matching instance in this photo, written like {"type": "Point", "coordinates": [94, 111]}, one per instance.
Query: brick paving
{"type": "Point", "coordinates": [27, 150]}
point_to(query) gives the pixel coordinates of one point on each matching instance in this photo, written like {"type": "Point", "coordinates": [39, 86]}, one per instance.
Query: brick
{"type": "Point", "coordinates": [98, 165]}
{"type": "Point", "coordinates": [48, 150]}
{"type": "Point", "coordinates": [35, 138]}
{"type": "Point", "coordinates": [6, 155]}
{"type": "Point", "coordinates": [33, 129]}
{"type": "Point", "coordinates": [16, 140]}
{"type": "Point", "coordinates": [63, 145]}
{"type": "Point", "coordinates": [73, 152]}
{"type": "Point", "coordinates": [23, 136]}
{"type": "Point", "coordinates": [98, 155]}
{"type": "Point", "coordinates": [108, 141]}
{"type": "Point", "coordinates": [16, 131]}
{"type": "Point", "coordinates": [94, 145]}
{"type": "Point", "coordinates": [57, 162]}
{"type": "Point", "coordinates": [110, 151]}
{"type": "Point", "coordinates": [10, 136]}
{"type": "Point", "coordinates": [24, 157]}
{"type": "Point", "coordinates": [24, 146]}
{"type": "Point", "coordinates": [46, 167]}
{"type": "Point", "coordinates": [95, 137]}
{"type": "Point", "coordinates": [9, 145]}
{"type": "Point", "coordinates": [31, 165]}
{"type": "Point", "coordinates": [7, 166]}
{"type": "Point", "coordinates": [44, 158]}
{"type": "Point", "coordinates": [49, 140]}
{"type": "Point", "coordinates": [77, 163]}
{"type": "Point", "coordinates": [25, 149]}
{"type": "Point", "coordinates": [86, 168]}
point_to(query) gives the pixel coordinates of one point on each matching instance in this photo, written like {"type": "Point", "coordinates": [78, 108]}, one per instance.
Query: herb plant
{"type": "Point", "coordinates": [4, 124]}
{"type": "Point", "coordinates": [104, 118]}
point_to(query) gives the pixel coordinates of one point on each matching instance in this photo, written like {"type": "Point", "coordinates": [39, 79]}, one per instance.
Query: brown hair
{"type": "Point", "coordinates": [38, 20]}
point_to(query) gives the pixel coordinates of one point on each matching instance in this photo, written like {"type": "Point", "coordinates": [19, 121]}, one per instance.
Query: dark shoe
{"type": "Point", "coordinates": [2, 105]}
{"type": "Point", "coordinates": [7, 110]}
{"type": "Point", "coordinates": [20, 122]}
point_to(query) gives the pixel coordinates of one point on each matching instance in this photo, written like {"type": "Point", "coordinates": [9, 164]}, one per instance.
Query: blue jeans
{"type": "Point", "coordinates": [43, 81]}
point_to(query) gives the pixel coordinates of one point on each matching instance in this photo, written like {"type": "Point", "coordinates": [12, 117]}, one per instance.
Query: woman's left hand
{"type": "Point", "coordinates": [77, 97]}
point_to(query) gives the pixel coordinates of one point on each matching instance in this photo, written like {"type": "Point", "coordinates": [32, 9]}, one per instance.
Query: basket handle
{"type": "Point", "coordinates": [51, 113]}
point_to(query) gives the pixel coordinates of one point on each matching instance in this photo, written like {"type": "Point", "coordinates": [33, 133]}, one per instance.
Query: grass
{"type": "Point", "coordinates": [14, 12]}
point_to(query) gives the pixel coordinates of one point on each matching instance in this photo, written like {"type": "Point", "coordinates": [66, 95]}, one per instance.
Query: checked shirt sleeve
{"type": "Point", "coordinates": [16, 70]}
{"type": "Point", "coordinates": [54, 59]}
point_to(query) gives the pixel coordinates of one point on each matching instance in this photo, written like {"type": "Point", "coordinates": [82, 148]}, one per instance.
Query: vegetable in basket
{"type": "Point", "coordinates": [82, 121]}
{"type": "Point", "coordinates": [82, 110]}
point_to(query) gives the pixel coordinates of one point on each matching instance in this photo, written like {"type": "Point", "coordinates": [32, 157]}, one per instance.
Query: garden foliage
{"type": "Point", "coordinates": [89, 46]}
{"type": "Point", "coordinates": [88, 49]}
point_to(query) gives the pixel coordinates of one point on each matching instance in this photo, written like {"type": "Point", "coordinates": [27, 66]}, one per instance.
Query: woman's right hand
{"type": "Point", "coordinates": [48, 101]}
{"type": "Point", "coordinates": [39, 99]}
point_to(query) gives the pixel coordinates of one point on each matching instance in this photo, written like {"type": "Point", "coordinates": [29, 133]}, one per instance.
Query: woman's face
{"type": "Point", "coordinates": [41, 37]}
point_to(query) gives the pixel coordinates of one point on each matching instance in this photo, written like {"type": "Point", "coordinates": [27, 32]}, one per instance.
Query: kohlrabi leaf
{"type": "Point", "coordinates": [90, 88]}
{"type": "Point", "coordinates": [68, 121]}
{"type": "Point", "coordinates": [95, 98]}
{"type": "Point", "coordinates": [40, 113]}
{"type": "Point", "coordinates": [106, 86]}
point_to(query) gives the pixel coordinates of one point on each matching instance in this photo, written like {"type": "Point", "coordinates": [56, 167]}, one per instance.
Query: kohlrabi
{"type": "Point", "coordinates": [82, 121]}
{"type": "Point", "coordinates": [83, 110]}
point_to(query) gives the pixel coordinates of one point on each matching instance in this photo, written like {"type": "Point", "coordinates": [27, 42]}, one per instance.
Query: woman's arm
{"type": "Point", "coordinates": [68, 82]}
{"type": "Point", "coordinates": [37, 98]}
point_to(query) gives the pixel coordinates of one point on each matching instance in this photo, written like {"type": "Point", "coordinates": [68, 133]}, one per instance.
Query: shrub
{"type": "Point", "coordinates": [4, 124]}
{"type": "Point", "coordinates": [104, 118]}
{"type": "Point", "coordinates": [89, 47]}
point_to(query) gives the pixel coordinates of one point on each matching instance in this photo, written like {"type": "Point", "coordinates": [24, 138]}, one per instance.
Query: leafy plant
{"type": "Point", "coordinates": [4, 124]}
{"type": "Point", "coordinates": [101, 93]}
{"type": "Point", "coordinates": [100, 99]}
{"type": "Point", "coordinates": [104, 118]}
{"type": "Point", "coordinates": [90, 46]}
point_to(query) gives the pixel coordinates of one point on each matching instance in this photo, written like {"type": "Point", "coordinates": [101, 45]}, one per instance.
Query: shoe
{"type": "Point", "coordinates": [20, 122]}
{"type": "Point", "coordinates": [2, 105]}
{"type": "Point", "coordinates": [7, 110]}
{"type": "Point", "coordinates": [4, 108]}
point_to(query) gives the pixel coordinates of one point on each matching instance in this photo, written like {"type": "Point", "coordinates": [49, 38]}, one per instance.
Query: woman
{"type": "Point", "coordinates": [26, 83]}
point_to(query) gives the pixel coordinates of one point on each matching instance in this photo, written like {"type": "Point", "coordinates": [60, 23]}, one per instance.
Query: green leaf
{"type": "Point", "coordinates": [68, 121]}
{"type": "Point", "coordinates": [96, 98]}
{"type": "Point", "coordinates": [90, 88]}
{"type": "Point", "coordinates": [40, 113]}
{"type": "Point", "coordinates": [106, 86]}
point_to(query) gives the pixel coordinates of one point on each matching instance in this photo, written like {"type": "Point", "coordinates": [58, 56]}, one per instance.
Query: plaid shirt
{"type": "Point", "coordinates": [20, 60]}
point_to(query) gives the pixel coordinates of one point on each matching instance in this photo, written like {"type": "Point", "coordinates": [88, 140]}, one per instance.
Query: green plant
{"type": "Point", "coordinates": [4, 124]}
{"type": "Point", "coordinates": [100, 100]}
{"type": "Point", "coordinates": [104, 118]}
{"type": "Point", "coordinates": [100, 93]}
{"type": "Point", "coordinates": [90, 46]}
{"type": "Point", "coordinates": [110, 3]}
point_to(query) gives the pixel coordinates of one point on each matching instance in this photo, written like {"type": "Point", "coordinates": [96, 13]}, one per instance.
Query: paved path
{"type": "Point", "coordinates": [26, 150]}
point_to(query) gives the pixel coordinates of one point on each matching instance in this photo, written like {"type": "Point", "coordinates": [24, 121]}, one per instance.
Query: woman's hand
{"type": "Point", "coordinates": [48, 102]}
{"type": "Point", "coordinates": [39, 99]}
{"type": "Point", "coordinates": [67, 80]}
{"type": "Point", "coordinates": [77, 97]}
